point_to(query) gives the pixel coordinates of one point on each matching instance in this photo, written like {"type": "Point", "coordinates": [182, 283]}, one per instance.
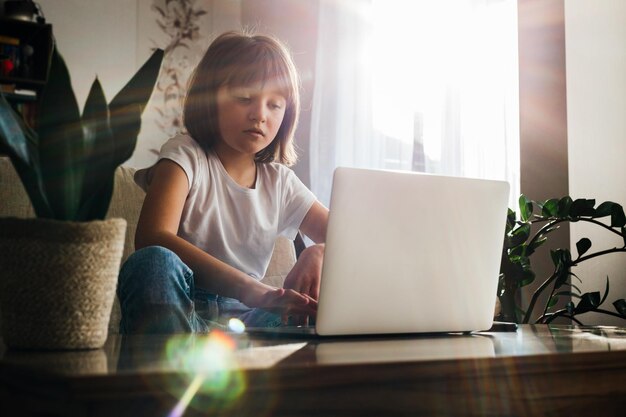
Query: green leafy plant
{"type": "Point", "coordinates": [67, 164]}
{"type": "Point", "coordinates": [521, 242]}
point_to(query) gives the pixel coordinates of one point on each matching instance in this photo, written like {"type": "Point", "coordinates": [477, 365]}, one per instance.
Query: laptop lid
{"type": "Point", "coordinates": [410, 253]}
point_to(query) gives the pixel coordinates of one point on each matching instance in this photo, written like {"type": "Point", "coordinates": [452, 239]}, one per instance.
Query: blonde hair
{"type": "Point", "coordinates": [236, 59]}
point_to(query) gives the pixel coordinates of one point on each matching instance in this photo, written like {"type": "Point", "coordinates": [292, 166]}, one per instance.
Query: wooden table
{"type": "Point", "coordinates": [537, 371]}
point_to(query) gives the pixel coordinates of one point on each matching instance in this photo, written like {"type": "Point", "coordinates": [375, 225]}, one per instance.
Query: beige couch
{"type": "Point", "coordinates": [126, 203]}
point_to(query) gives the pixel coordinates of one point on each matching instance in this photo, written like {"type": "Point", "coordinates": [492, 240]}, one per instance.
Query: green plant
{"type": "Point", "coordinates": [67, 165]}
{"type": "Point", "coordinates": [521, 242]}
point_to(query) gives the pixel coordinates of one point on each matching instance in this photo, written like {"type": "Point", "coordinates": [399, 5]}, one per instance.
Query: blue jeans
{"type": "Point", "coordinates": [157, 295]}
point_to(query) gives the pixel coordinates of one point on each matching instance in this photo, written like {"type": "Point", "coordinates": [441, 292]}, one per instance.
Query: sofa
{"type": "Point", "coordinates": [126, 203]}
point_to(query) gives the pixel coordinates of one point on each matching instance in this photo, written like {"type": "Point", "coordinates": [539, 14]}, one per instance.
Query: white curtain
{"type": "Point", "coordinates": [424, 85]}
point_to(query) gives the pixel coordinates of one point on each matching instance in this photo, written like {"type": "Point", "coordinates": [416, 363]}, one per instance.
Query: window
{"type": "Point", "coordinates": [427, 85]}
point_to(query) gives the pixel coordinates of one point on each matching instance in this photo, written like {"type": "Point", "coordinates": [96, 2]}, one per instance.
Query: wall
{"type": "Point", "coordinates": [543, 119]}
{"type": "Point", "coordinates": [596, 110]}
{"type": "Point", "coordinates": [96, 38]}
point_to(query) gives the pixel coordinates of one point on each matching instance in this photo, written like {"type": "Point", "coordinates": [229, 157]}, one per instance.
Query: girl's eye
{"type": "Point", "coordinates": [243, 99]}
{"type": "Point", "coordinates": [275, 106]}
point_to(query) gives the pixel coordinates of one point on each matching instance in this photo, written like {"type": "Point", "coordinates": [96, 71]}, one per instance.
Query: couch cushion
{"type": "Point", "coordinates": [126, 203]}
{"type": "Point", "coordinates": [14, 201]}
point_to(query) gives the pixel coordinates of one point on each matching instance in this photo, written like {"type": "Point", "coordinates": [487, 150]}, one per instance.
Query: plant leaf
{"type": "Point", "coordinates": [553, 300]}
{"type": "Point", "coordinates": [13, 133]}
{"type": "Point", "coordinates": [564, 206]}
{"type": "Point", "coordinates": [510, 221]}
{"type": "Point", "coordinates": [95, 116]}
{"type": "Point", "coordinates": [609, 208]}
{"type": "Point", "coordinates": [525, 207]}
{"type": "Point", "coordinates": [562, 259]}
{"type": "Point", "coordinates": [588, 302]}
{"type": "Point", "coordinates": [604, 209]}
{"type": "Point", "coordinates": [576, 276]}
{"type": "Point", "coordinates": [617, 216]}
{"type": "Point", "coordinates": [550, 208]}
{"type": "Point", "coordinates": [20, 143]}
{"type": "Point", "coordinates": [528, 277]}
{"type": "Point", "coordinates": [96, 204]}
{"type": "Point", "coordinates": [97, 186]}
{"type": "Point", "coordinates": [519, 235]}
{"type": "Point", "coordinates": [606, 291]}
{"type": "Point", "coordinates": [60, 141]}
{"type": "Point", "coordinates": [582, 208]}
{"type": "Point", "coordinates": [620, 306]}
{"type": "Point", "coordinates": [583, 246]}
{"type": "Point", "coordinates": [127, 106]}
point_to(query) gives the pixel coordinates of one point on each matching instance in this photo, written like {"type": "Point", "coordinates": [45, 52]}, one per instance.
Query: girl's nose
{"type": "Point", "coordinates": [257, 113]}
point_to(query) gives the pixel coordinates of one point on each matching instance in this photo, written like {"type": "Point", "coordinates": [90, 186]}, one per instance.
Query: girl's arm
{"type": "Point", "coordinates": [305, 276]}
{"type": "Point", "coordinates": [158, 225]}
{"type": "Point", "coordinates": [315, 223]}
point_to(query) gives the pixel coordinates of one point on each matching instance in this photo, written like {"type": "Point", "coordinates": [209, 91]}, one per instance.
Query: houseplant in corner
{"type": "Point", "coordinates": [59, 270]}
{"type": "Point", "coordinates": [521, 242]}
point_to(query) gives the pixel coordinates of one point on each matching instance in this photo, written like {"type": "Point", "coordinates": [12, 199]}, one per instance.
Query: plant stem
{"type": "Point", "coordinates": [609, 228]}
{"type": "Point", "coordinates": [580, 259]}
{"type": "Point", "coordinates": [560, 313]}
{"type": "Point", "coordinates": [593, 255]}
{"type": "Point", "coordinates": [545, 310]}
{"type": "Point", "coordinates": [610, 313]}
{"type": "Point", "coordinates": [538, 291]}
{"type": "Point", "coordinates": [548, 225]}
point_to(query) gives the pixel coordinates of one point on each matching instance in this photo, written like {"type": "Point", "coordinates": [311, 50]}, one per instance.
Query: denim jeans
{"type": "Point", "coordinates": [157, 295]}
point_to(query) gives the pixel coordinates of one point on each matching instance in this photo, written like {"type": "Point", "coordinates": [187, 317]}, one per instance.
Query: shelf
{"type": "Point", "coordinates": [37, 36]}
{"type": "Point", "coordinates": [20, 98]}
{"type": "Point", "coordinates": [23, 82]}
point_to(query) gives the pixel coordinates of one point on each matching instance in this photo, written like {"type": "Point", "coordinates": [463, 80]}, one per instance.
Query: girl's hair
{"type": "Point", "coordinates": [234, 60]}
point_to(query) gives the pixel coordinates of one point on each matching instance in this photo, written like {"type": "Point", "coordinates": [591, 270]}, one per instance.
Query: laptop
{"type": "Point", "coordinates": [408, 252]}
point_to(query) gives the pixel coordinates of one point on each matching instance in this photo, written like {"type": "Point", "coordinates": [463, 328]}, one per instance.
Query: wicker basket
{"type": "Point", "coordinates": [58, 281]}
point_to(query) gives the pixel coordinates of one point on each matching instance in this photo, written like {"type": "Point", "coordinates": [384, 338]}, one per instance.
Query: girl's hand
{"type": "Point", "coordinates": [294, 308]}
{"type": "Point", "coordinates": [285, 302]}
{"type": "Point", "coordinates": [305, 276]}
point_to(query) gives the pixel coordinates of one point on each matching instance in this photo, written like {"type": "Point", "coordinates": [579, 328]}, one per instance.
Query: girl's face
{"type": "Point", "coordinates": [249, 117]}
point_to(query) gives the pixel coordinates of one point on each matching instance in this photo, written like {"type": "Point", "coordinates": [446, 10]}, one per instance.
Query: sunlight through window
{"type": "Point", "coordinates": [421, 85]}
{"type": "Point", "coordinates": [445, 84]}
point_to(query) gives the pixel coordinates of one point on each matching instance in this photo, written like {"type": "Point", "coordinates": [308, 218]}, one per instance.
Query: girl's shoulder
{"type": "Point", "coordinates": [181, 149]}
{"type": "Point", "coordinates": [184, 150]}
{"type": "Point", "coordinates": [275, 170]}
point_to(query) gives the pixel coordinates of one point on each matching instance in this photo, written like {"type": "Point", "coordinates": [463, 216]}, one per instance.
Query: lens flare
{"type": "Point", "coordinates": [236, 326]}
{"type": "Point", "coordinates": [211, 375]}
{"type": "Point", "coordinates": [181, 406]}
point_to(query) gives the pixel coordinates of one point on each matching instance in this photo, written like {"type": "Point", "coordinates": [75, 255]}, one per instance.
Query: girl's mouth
{"type": "Point", "coordinates": [255, 132]}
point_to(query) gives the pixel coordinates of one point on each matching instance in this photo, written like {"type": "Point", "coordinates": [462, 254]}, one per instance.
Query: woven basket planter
{"type": "Point", "coordinates": [58, 281]}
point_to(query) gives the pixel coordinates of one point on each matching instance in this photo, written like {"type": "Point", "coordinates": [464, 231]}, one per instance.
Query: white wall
{"type": "Point", "coordinates": [95, 38]}
{"type": "Point", "coordinates": [596, 114]}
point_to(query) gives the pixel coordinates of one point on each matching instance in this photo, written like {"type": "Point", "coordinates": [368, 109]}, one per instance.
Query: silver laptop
{"type": "Point", "coordinates": [410, 253]}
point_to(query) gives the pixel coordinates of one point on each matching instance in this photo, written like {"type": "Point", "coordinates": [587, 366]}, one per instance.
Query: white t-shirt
{"type": "Point", "coordinates": [235, 224]}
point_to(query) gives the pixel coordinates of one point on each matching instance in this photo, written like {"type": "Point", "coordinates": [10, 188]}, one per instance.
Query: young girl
{"type": "Point", "coordinates": [218, 198]}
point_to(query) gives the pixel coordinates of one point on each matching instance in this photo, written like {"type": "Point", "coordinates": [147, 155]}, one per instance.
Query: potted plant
{"type": "Point", "coordinates": [59, 270]}
{"type": "Point", "coordinates": [521, 241]}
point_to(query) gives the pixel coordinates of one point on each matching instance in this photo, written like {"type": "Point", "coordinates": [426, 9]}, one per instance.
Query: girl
{"type": "Point", "coordinates": [219, 196]}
